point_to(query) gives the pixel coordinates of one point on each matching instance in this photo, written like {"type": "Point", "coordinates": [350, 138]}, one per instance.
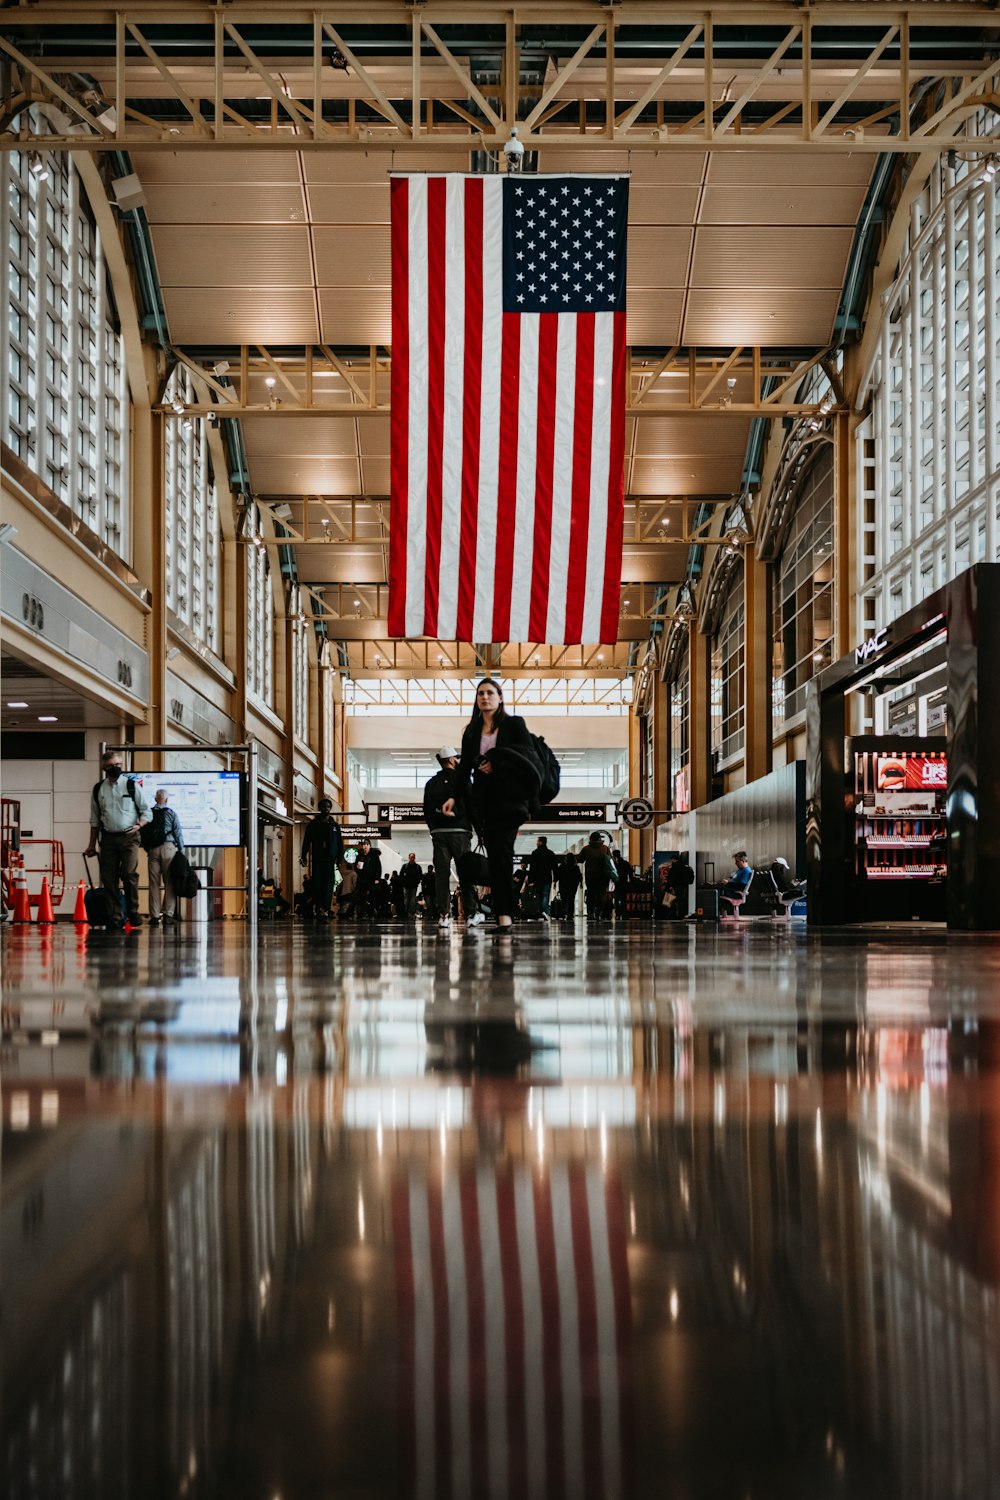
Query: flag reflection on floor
{"type": "Point", "coordinates": [514, 1308]}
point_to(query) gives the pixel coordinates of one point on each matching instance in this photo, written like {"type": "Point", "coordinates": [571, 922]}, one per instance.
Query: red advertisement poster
{"type": "Point", "coordinates": [911, 773]}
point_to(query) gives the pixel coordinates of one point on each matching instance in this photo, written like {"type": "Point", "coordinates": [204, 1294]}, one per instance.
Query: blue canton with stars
{"type": "Point", "coordinates": [564, 244]}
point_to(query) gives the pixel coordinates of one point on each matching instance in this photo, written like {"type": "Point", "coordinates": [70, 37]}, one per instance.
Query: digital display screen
{"type": "Point", "coordinates": [911, 773]}
{"type": "Point", "coordinates": [207, 803]}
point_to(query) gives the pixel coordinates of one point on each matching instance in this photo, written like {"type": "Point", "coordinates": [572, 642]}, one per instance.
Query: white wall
{"type": "Point", "coordinates": [55, 804]}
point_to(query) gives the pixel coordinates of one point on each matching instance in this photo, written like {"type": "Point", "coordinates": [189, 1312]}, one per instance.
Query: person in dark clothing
{"type": "Point", "coordinates": [361, 904]}
{"type": "Point", "coordinates": [410, 877]}
{"type": "Point", "coordinates": [597, 874]}
{"type": "Point", "coordinates": [324, 844]}
{"type": "Point", "coordinates": [498, 760]}
{"type": "Point", "coordinates": [396, 893]}
{"type": "Point", "coordinates": [623, 882]}
{"type": "Point", "coordinates": [428, 893]}
{"type": "Point", "coordinates": [785, 883]}
{"type": "Point", "coordinates": [380, 905]}
{"type": "Point", "coordinates": [542, 867]}
{"type": "Point", "coordinates": [568, 878]}
{"type": "Point", "coordinates": [675, 880]}
{"type": "Point", "coordinates": [451, 835]}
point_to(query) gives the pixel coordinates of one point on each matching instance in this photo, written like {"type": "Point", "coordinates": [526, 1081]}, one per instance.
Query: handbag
{"type": "Point", "coordinates": [669, 897]}
{"type": "Point", "coordinates": [473, 868]}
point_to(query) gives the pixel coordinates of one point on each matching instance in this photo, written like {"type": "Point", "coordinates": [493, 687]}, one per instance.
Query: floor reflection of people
{"type": "Point", "coordinates": [493, 1036]}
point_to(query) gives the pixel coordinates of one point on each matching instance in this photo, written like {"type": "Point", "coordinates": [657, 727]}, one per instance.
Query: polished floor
{"type": "Point", "coordinates": [350, 1212]}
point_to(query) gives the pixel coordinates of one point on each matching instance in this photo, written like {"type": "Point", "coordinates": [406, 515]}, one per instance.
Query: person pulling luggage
{"type": "Point", "coordinates": [118, 811]}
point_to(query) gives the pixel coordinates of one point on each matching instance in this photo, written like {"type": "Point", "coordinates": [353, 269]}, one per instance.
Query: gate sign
{"type": "Point", "coordinates": [636, 812]}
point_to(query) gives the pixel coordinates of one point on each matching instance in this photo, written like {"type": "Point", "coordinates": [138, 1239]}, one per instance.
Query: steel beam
{"type": "Point", "coordinates": [197, 75]}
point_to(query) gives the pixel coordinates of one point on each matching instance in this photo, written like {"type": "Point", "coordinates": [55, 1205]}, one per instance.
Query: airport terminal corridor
{"type": "Point", "coordinates": [694, 1210]}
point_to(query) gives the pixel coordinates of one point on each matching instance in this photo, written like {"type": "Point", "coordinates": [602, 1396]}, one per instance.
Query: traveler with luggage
{"type": "Point", "coordinates": [542, 867]}
{"type": "Point", "coordinates": [118, 811]}
{"type": "Point", "coordinates": [499, 765]}
{"type": "Point", "coordinates": [323, 843]}
{"type": "Point", "coordinates": [161, 838]}
{"type": "Point", "coordinates": [451, 835]}
{"type": "Point", "coordinates": [599, 873]}
{"type": "Point", "coordinates": [568, 878]}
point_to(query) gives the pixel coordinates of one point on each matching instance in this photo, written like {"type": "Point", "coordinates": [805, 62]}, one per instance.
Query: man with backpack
{"type": "Point", "coordinates": [542, 867]}
{"type": "Point", "coordinates": [118, 811]}
{"type": "Point", "coordinates": [162, 839]}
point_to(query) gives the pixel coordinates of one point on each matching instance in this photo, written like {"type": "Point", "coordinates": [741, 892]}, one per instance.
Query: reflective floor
{"type": "Point", "coordinates": [678, 1213]}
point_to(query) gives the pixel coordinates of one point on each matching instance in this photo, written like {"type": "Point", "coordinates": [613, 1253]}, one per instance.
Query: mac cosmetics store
{"type": "Point", "coordinates": [903, 767]}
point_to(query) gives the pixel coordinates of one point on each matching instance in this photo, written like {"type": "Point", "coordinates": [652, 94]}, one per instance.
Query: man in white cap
{"type": "Point", "coordinates": [786, 884]}
{"type": "Point", "coordinates": [451, 834]}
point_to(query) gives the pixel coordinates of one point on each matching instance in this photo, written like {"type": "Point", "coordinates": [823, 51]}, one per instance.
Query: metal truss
{"type": "Point", "coordinates": [358, 613]}
{"type": "Point", "coordinates": [319, 381]}
{"type": "Point", "coordinates": [196, 74]}
{"type": "Point", "coordinates": [319, 521]}
{"type": "Point", "coordinates": [379, 692]}
{"type": "Point", "coordinates": [418, 659]}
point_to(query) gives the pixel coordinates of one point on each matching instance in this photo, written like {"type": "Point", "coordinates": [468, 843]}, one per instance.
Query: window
{"type": "Point", "coordinates": [728, 673]}
{"type": "Point", "coordinates": [803, 622]}
{"type": "Point", "coordinates": [929, 454]}
{"type": "Point", "coordinates": [302, 639]}
{"type": "Point", "coordinates": [260, 613]}
{"type": "Point", "coordinates": [59, 337]}
{"type": "Point", "coordinates": [192, 519]}
{"type": "Point", "coordinates": [680, 724]}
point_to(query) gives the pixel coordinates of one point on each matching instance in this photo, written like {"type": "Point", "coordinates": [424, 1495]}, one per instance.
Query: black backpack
{"type": "Point", "coordinates": [549, 767]}
{"type": "Point", "coordinates": [154, 833]}
{"type": "Point", "coordinates": [183, 879]}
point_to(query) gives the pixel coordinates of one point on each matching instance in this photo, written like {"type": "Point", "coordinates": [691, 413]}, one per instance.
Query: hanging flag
{"type": "Point", "coordinates": [508, 407]}
{"type": "Point", "coordinates": [514, 1328]}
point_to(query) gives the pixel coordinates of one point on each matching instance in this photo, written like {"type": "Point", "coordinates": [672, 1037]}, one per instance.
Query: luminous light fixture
{"type": "Point", "coordinates": [990, 168]}
{"type": "Point", "coordinates": [48, 718]}
{"type": "Point", "coordinates": [17, 705]}
{"type": "Point", "coordinates": [737, 532]}
{"type": "Point", "coordinates": [37, 166]}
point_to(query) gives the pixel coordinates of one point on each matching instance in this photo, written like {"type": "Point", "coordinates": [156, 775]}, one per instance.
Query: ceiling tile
{"type": "Point", "coordinates": [221, 256]}
{"type": "Point", "coordinates": [661, 205]}
{"type": "Point", "coordinates": [304, 474]}
{"type": "Point", "coordinates": [721, 317]}
{"type": "Point", "coordinates": [658, 257]}
{"type": "Point", "coordinates": [353, 256]}
{"type": "Point", "coordinates": [769, 168]}
{"type": "Point", "coordinates": [200, 167]}
{"type": "Point", "coordinates": [793, 256]}
{"type": "Point", "coordinates": [772, 203]}
{"type": "Point", "coordinates": [654, 316]}
{"type": "Point", "coordinates": [696, 475]}
{"type": "Point", "coordinates": [178, 203]}
{"type": "Point", "coordinates": [197, 316]}
{"type": "Point", "coordinates": [356, 316]}
{"type": "Point", "coordinates": [349, 203]}
{"type": "Point", "coordinates": [685, 437]}
{"type": "Point", "coordinates": [285, 436]}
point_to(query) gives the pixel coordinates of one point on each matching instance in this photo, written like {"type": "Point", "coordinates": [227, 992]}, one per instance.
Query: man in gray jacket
{"type": "Point", "coordinates": [161, 844]}
{"type": "Point", "coordinates": [118, 810]}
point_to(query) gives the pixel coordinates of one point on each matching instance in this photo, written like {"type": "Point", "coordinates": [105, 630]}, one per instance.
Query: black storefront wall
{"type": "Point", "coordinates": [967, 613]}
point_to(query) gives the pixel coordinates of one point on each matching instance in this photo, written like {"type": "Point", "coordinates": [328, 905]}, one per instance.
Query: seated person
{"type": "Point", "coordinates": [735, 888]}
{"type": "Point", "coordinates": [788, 888]}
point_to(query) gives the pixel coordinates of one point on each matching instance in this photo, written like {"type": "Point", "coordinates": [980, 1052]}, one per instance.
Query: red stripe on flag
{"type": "Point", "coordinates": [400, 402]}
{"type": "Point", "coordinates": [616, 499]}
{"type": "Point", "coordinates": [545, 443]}
{"type": "Point", "coordinates": [583, 428]}
{"type": "Point", "coordinates": [590, 1373]}
{"type": "Point", "coordinates": [442, 1335]}
{"type": "Point", "coordinates": [618, 1254]}
{"type": "Point", "coordinates": [407, 1337]}
{"type": "Point", "coordinates": [555, 1457]}
{"type": "Point", "coordinates": [475, 1298]}
{"type": "Point", "coordinates": [436, 298]}
{"type": "Point", "coordinates": [513, 1306]}
{"type": "Point", "coordinates": [471, 407]}
{"type": "Point", "coordinates": [510, 387]}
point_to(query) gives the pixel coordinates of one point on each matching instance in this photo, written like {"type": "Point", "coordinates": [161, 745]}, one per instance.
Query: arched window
{"type": "Point", "coordinates": [728, 673]}
{"type": "Point", "coordinates": [192, 519]}
{"type": "Point", "coordinates": [302, 639]}
{"type": "Point", "coordinates": [260, 612]}
{"type": "Point", "coordinates": [929, 453]}
{"type": "Point", "coordinates": [803, 593]}
{"type": "Point", "coordinates": [63, 407]}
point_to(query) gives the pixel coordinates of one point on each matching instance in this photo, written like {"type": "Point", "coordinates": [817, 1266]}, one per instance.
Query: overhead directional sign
{"type": "Point", "coordinates": [636, 812]}
{"type": "Point", "coordinates": [353, 832]}
{"type": "Point", "coordinates": [554, 814]}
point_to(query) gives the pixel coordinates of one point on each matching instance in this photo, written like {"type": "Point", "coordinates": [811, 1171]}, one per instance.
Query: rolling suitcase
{"type": "Point", "coordinates": [706, 903]}
{"type": "Point", "coordinates": [103, 909]}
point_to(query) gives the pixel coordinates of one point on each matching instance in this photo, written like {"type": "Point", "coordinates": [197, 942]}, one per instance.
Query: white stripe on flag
{"type": "Point", "coordinates": [569, 1330]}
{"type": "Point", "coordinates": [562, 477]}
{"type": "Point", "coordinates": [496, 1347]}
{"type": "Point", "coordinates": [524, 521]}
{"type": "Point", "coordinates": [492, 396]}
{"type": "Point", "coordinates": [416, 519]}
{"type": "Point", "coordinates": [454, 375]}
{"type": "Point", "coordinates": [458, 1337]}
{"type": "Point", "coordinates": [607, 1343]}
{"type": "Point", "coordinates": [531, 1297]}
{"type": "Point", "coordinates": [423, 1340]}
{"type": "Point", "coordinates": [600, 462]}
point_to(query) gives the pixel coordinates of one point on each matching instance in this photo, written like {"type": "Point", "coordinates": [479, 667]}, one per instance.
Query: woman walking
{"type": "Point", "coordinates": [498, 759]}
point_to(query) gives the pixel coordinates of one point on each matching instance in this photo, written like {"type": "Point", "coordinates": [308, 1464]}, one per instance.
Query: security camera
{"type": "Point", "coordinates": [513, 150]}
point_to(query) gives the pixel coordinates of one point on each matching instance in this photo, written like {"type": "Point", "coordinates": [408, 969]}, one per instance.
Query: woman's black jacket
{"type": "Point", "coordinates": [510, 792]}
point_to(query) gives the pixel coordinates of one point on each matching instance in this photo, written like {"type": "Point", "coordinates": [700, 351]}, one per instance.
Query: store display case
{"type": "Point", "coordinates": [899, 827]}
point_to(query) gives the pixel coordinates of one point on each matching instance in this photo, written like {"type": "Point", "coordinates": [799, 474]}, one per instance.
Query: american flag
{"type": "Point", "coordinates": [514, 1327]}
{"type": "Point", "coordinates": [508, 407]}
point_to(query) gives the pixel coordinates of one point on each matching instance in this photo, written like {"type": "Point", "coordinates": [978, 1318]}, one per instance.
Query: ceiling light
{"type": "Point", "coordinates": [178, 407]}
{"type": "Point", "coordinates": [282, 511]}
{"type": "Point", "coordinates": [48, 719]}
{"type": "Point", "coordinates": [17, 705]}
{"type": "Point", "coordinates": [38, 166]}
{"type": "Point", "coordinates": [222, 368]}
{"type": "Point", "coordinates": [270, 382]}
{"type": "Point", "coordinates": [990, 167]}
{"type": "Point", "coordinates": [684, 606]}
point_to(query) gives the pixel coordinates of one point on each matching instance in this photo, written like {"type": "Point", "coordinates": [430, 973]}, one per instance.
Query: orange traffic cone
{"type": "Point", "coordinates": [45, 912]}
{"type": "Point", "coordinates": [80, 909]}
{"type": "Point", "coordinates": [22, 904]}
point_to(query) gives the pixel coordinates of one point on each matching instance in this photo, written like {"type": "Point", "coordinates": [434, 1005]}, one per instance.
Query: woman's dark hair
{"type": "Point", "coordinates": [501, 712]}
